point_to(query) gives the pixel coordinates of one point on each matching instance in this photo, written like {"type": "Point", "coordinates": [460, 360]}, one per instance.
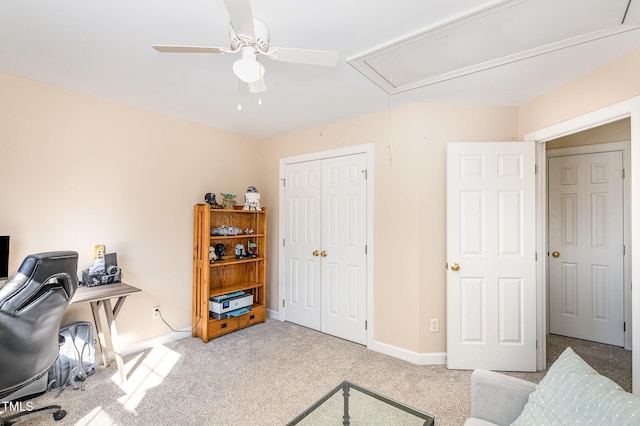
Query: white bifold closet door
{"type": "Point", "coordinates": [325, 245]}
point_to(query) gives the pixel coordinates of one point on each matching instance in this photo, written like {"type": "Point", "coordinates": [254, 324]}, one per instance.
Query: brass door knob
{"type": "Point", "coordinates": [316, 253]}
{"type": "Point", "coordinates": [324, 253]}
{"type": "Point", "coordinates": [455, 267]}
{"type": "Point", "coordinates": [555, 254]}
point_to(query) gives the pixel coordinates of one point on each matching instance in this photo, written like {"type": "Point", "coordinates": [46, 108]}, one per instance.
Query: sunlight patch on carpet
{"type": "Point", "coordinates": [145, 371]}
{"type": "Point", "coordinates": [96, 416]}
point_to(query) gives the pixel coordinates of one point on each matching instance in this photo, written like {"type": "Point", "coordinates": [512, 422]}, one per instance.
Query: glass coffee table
{"type": "Point", "coordinates": [359, 406]}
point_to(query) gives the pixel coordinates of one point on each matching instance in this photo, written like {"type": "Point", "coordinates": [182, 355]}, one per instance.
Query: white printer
{"type": "Point", "coordinates": [219, 305]}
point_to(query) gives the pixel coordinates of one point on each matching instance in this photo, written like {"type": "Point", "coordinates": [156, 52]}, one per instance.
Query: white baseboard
{"type": "Point", "coordinates": [163, 339]}
{"type": "Point", "coordinates": [143, 345]}
{"type": "Point", "coordinates": [158, 340]}
{"type": "Point", "coordinates": [437, 358]}
{"type": "Point", "coordinates": [273, 314]}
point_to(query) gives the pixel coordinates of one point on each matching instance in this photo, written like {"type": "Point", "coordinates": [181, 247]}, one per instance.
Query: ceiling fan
{"type": "Point", "coordinates": [250, 36]}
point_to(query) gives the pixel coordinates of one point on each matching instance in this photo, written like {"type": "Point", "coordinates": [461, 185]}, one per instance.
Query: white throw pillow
{"type": "Point", "coordinates": [573, 393]}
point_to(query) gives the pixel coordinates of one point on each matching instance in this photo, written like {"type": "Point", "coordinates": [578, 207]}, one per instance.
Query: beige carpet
{"type": "Point", "coordinates": [268, 373]}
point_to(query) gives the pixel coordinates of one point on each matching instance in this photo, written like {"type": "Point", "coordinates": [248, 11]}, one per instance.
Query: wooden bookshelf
{"type": "Point", "coordinates": [227, 275]}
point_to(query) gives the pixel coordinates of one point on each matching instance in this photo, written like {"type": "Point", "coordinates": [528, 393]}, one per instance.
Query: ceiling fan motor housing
{"type": "Point", "coordinates": [261, 40]}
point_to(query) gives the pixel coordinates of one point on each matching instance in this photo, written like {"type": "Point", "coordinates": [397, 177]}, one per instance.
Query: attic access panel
{"type": "Point", "coordinates": [504, 32]}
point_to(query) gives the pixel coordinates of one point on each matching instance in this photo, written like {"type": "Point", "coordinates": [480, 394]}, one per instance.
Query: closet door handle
{"type": "Point", "coordinates": [316, 253]}
{"type": "Point", "coordinates": [324, 253]}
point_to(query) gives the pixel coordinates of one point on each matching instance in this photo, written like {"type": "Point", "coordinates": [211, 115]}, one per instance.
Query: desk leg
{"type": "Point", "coordinates": [95, 310]}
{"type": "Point", "coordinates": [114, 338]}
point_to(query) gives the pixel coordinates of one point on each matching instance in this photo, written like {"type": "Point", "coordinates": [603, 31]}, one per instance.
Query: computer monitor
{"type": "Point", "coordinates": [4, 257]}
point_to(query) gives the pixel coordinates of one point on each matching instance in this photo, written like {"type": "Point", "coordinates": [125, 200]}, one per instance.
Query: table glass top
{"type": "Point", "coordinates": [350, 404]}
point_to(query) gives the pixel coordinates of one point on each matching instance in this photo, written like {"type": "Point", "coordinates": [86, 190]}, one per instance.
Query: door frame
{"type": "Point", "coordinates": [625, 147]}
{"type": "Point", "coordinates": [367, 149]}
{"type": "Point", "coordinates": [625, 109]}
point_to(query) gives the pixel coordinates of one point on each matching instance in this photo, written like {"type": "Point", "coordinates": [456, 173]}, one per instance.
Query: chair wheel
{"type": "Point", "coordinates": [59, 415]}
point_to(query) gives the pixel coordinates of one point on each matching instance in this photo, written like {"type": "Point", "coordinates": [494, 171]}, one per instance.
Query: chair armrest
{"type": "Point", "coordinates": [498, 398]}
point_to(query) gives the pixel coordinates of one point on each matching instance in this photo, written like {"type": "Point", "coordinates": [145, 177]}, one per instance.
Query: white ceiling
{"type": "Point", "coordinates": [103, 48]}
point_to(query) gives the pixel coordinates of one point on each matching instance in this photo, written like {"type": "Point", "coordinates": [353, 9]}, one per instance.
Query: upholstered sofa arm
{"type": "Point", "coordinates": [498, 398]}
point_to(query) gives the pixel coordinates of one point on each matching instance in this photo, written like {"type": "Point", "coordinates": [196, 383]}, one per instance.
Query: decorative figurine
{"type": "Point", "coordinates": [240, 252]}
{"type": "Point", "coordinates": [249, 231]}
{"type": "Point", "coordinates": [228, 201]}
{"type": "Point", "coordinates": [212, 254]}
{"type": "Point", "coordinates": [226, 230]}
{"type": "Point", "coordinates": [220, 250]}
{"type": "Point", "coordinates": [210, 198]}
{"type": "Point", "coordinates": [252, 249]}
{"type": "Point", "coordinates": [252, 199]}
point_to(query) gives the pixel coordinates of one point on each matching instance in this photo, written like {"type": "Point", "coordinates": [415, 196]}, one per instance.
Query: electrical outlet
{"type": "Point", "coordinates": [155, 312]}
{"type": "Point", "coordinates": [434, 325]}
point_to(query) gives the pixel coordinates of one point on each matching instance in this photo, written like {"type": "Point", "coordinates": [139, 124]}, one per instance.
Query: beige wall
{"type": "Point", "coordinates": [76, 171]}
{"type": "Point", "coordinates": [409, 209]}
{"type": "Point", "coordinates": [618, 131]}
{"type": "Point", "coordinates": [604, 86]}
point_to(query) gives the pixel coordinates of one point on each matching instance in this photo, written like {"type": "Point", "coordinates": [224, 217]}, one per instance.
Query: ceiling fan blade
{"type": "Point", "coordinates": [241, 18]}
{"type": "Point", "coordinates": [326, 58]}
{"type": "Point", "coordinates": [187, 49]}
{"type": "Point", "coordinates": [258, 87]}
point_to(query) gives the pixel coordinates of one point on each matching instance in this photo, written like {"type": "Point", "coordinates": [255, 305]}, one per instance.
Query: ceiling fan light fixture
{"type": "Point", "coordinates": [248, 69]}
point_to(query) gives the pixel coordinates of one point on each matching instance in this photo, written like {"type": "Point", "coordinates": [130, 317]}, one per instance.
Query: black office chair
{"type": "Point", "coordinates": [31, 307]}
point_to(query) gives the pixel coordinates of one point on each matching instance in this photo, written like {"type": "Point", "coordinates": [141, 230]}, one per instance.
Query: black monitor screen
{"type": "Point", "coordinates": [4, 257]}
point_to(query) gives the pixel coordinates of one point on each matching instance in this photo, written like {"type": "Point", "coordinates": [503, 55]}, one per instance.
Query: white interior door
{"type": "Point", "coordinates": [491, 278]}
{"type": "Point", "coordinates": [325, 245]}
{"type": "Point", "coordinates": [303, 210]}
{"type": "Point", "coordinates": [344, 226]}
{"type": "Point", "coordinates": [586, 243]}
